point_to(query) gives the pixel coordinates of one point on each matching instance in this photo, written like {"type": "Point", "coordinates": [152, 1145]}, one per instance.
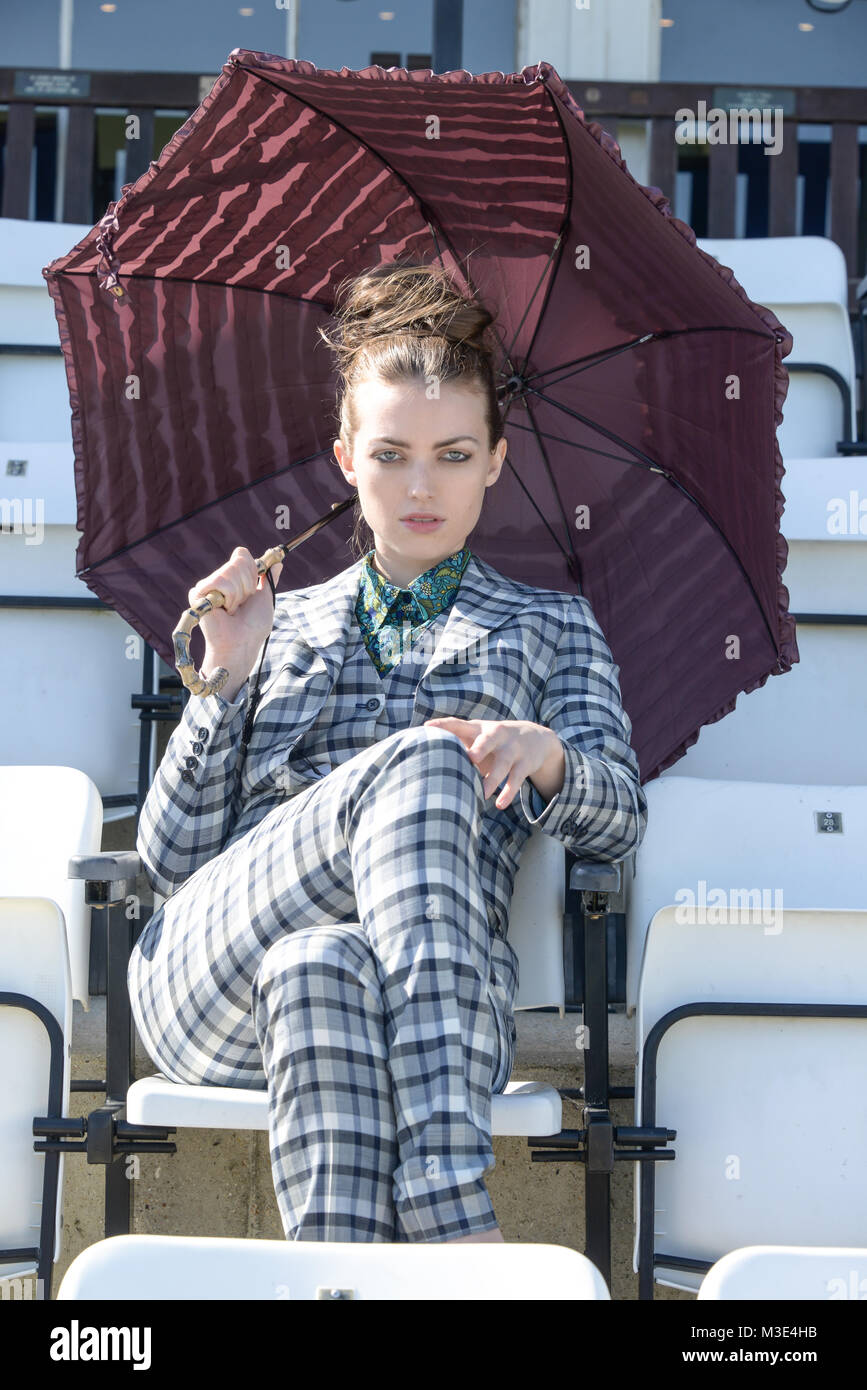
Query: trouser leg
{"type": "Point", "coordinates": [407, 831]}
{"type": "Point", "coordinates": [414, 833]}
{"type": "Point", "coordinates": [318, 1013]}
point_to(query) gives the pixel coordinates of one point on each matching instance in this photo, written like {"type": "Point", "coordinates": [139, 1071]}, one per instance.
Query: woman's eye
{"type": "Point", "coordinates": [453, 455]}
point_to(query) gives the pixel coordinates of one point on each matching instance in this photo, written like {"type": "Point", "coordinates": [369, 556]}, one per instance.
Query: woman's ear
{"type": "Point", "coordinates": [344, 460]}
{"type": "Point", "coordinates": [498, 458]}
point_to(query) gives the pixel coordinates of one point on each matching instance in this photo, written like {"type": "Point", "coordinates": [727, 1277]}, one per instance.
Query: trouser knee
{"type": "Point", "coordinates": [434, 745]}
{"type": "Point", "coordinates": [313, 951]}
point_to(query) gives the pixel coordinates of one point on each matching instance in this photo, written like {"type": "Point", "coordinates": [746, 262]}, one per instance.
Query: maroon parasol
{"type": "Point", "coordinates": [642, 387]}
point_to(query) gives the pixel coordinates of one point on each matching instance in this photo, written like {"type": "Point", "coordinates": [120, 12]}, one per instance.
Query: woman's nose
{"type": "Point", "coordinates": [420, 487]}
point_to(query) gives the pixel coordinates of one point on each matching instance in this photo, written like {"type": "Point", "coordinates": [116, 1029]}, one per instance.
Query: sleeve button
{"type": "Point", "coordinates": [186, 776]}
{"type": "Point", "coordinates": [191, 762]}
{"type": "Point", "coordinates": [198, 747]}
{"type": "Point", "coordinates": [203, 734]}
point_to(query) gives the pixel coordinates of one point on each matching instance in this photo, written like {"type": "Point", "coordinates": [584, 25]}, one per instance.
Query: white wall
{"type": "Point", "coordinates": [606, 40]}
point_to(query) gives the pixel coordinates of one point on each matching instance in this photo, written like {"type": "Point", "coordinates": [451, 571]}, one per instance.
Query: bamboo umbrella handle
{"type": "Point", "coordinates": [214, 598]}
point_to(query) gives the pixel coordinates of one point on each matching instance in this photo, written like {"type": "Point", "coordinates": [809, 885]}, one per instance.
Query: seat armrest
{"type": "Point", "coordinates": [595, 876]}
{"type": "Point", "coordinates": [109, 879]}
{"type": "Point", "coordinates": [109, 876]}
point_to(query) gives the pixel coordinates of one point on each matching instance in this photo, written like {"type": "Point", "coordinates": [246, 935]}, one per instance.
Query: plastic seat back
{"type": "Point", "coordinates": [34, 962]}
{"type": "Point", "coordinates": [706, 836]}
{"type": "Point", "coordinates": [208, 1267]}
{"type": "Point", "coordinates": [536, 923]}
{"type": "Point", "coordinates": [813, 1272]}
{"type": "Point", "coordinates": [48, 814]}
{"type": "Point", "coordinates": [766, 1098]}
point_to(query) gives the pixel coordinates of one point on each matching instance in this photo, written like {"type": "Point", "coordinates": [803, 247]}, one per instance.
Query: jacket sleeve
{"type": "Point", "coordinates": [191, 806]}
{"type": "Point", "coordinates": [601, 810]}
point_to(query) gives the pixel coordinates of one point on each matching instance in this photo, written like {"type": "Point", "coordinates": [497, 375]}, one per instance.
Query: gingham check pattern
{"type": "Point", "coordinates": [330, 929]}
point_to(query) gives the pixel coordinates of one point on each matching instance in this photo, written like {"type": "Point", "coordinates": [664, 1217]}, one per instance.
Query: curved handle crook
{"type": "Point", "coordinates": [215, 598]}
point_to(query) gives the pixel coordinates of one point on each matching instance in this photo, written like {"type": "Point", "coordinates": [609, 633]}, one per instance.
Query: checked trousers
{"type": "Point", "coordinates": [340, 954]}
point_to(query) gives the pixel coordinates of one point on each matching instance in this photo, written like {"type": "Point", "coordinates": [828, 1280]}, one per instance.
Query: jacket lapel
{"type": "Point", "coordinates": [323, 618]}
{"type": "Point", "coordinates": [485, 600]}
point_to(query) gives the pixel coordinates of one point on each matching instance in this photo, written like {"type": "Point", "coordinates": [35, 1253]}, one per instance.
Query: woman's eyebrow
{"type": "Point", "coordinates": [403, 443]}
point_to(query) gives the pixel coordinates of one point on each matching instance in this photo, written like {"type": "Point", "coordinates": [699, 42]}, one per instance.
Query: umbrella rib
{"type": "Point", "coordinates": [545, 269]}
{"type": "Point", "coordinates": [609, 434]}
{"type": "Point", "coordinates": [593, 359]}
{"type": "Point", "coordinates": [542, 517]}
{"type": "Point", "coordinates": [655, 468]}
{"type": "Point", "coordinates": [588, 448]}
{"type": "Point", "coordinates": [218, 284]}
{"type": "Point", "coordinates": [466, 274]}
{"type": "Point", "coordinates": [564, 226]}
{"type": "Point", "coordinates": [530, 499]}
{"type": "Point", "coordinates": [433, 231]}
{"type": "Point", "coordinates": [575, 570]}
{"type": "Point", "coordinates": [126, 549]}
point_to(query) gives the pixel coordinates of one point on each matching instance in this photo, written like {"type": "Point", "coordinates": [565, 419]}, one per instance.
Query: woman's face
{"type": "Point", "coordinates": [412, 454]}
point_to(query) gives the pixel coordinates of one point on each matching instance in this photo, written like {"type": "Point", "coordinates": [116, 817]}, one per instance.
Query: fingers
{"type": "Point", "coordinates": [506, 769]}
{"type": "Point", "coordinates": [498, 761]}
{"type": "Point", "coordinates": [275, 571]}
{"type": "Point", "coordinates": [236, 580]}
{"type": "Point", "coordinates": [495, 765]}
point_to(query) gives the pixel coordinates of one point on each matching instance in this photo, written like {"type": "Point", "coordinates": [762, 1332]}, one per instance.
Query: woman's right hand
{"type": "Point", "coordinates": [235, 633]}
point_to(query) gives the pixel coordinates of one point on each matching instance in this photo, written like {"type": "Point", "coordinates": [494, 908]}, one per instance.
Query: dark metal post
{"type": "Point", "coordinates": [119, 1061]}
{"type": "Point", "coordinates": [448, 35]}
{"type": "Point", "coordinates": [597, 1190]}
{"type": "Point", "coordinates": [145, 730]}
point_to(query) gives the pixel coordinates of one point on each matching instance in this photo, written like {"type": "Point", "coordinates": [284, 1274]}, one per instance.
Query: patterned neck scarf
{"type": "Point", "coordinates": [383, 609]}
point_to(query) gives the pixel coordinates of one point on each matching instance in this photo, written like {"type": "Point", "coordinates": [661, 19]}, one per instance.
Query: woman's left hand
{"type": "Point", "coordinates": [510, 749]}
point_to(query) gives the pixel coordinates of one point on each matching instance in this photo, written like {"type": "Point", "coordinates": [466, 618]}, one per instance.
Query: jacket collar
{"type": "Point", "coordinates": [322, 613]}
{"type": "Point", "coordinates": [376, 594]}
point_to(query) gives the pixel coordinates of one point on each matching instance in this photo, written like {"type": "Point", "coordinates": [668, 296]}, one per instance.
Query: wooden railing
{"type": "Point", "coordinates": [143, 94]}
{"type": "Point", "coordinates": [841, 108]}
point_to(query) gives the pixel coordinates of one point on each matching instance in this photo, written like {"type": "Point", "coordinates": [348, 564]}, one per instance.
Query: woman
{"type": "Point", "coordinates": [337, 900]}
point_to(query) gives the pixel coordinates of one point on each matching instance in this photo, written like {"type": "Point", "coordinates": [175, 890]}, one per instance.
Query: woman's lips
{"type": "Point", "coordinates": [422, 525]}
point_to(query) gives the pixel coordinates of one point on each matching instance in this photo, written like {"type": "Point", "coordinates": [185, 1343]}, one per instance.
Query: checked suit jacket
{"type": "Point", "coordinates": [507, 651]}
